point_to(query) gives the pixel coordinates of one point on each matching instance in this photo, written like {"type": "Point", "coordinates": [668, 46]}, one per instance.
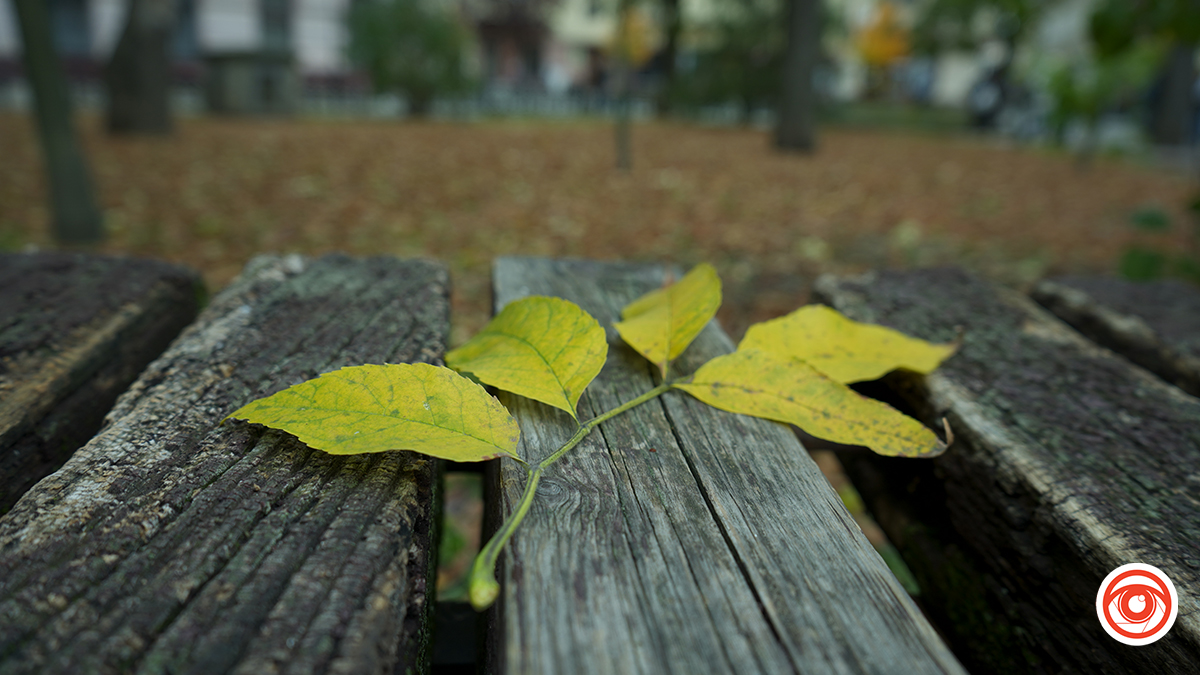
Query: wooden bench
{"type": "Point", "coordinates": [173, 543]}
{"type": "Point", "coordinates": [679, 538]}
{"type": "Point", "coordinates": [1154, 324]}
{"type": "Point", "coordinates": [75, 330]}
{"type": "Point", "coordinates": [1069, 462]}
{"type": "Point", "coordinates": [676, 538]}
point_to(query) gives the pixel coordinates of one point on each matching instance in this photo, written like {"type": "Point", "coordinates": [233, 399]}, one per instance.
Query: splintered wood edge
{"type": "Point", "coordinates": [1127, 334]}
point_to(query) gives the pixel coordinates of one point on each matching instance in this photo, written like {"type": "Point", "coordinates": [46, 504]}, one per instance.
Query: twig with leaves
{"type": "Point", "coordinates": [794, 369]}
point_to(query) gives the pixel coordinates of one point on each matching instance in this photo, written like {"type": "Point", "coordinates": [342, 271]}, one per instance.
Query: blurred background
{"type": "Point", "coordinates": [776, 139]}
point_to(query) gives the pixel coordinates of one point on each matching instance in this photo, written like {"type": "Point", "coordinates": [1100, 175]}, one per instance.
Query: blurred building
{"type": "Point", "coordinates": [242, 55]}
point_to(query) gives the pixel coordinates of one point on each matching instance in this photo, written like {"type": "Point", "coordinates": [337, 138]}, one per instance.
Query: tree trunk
{"type": "Point", "coordinates": [673, 18]}
{"type": "Point", "coordinates": [796, 126]}
{"type": "Point", "coordinates": [138, 75]}
{"type": "Point", "coordinates": [1174, 113]}
{"type": "Point", "coordinates": [624, 82]}
{"type": "Point", "coordinates": [76, 218]}
{"type": "Point", "coordinates": [419, 105]}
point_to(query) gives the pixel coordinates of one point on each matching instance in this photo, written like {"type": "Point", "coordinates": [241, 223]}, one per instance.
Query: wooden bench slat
{"type": "Point", "coordinates": [1155, 324]}
{"type": "Point", "coordinates": [1069, 462]}
{"type": "Point", "coordinates": [75, 330]}
{"type": "Point", "coordinates": [678, 538]}
{"type": "Point", "coordinates": [172, 543]}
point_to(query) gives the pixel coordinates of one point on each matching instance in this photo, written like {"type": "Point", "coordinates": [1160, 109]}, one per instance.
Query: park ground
{"type": "Point", "coordinates": [219, 191]}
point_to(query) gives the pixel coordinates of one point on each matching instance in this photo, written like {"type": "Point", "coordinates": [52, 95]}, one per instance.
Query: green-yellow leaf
{"type": "Point", "coordinates": [752, 382]}
{"type": "Point", "coordinates": [845, 350]}
{"type": "Point", "coordinates": [373, 408]}
{"type": "Point", "coordinates": [546, 349]}
{"type": "Point", "coordinates": [663, 322]}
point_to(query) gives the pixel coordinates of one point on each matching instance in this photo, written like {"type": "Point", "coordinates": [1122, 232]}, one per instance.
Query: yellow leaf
{"type": "Point", "coordinates": [845, 350]}
{"type": "Point", "coordinates": [427, 409]}
{"type": "Point", "coordinates": [663, 322]}
{"type": "Point", "coordinates": [757, 383]}
{"type": "Point", "coordinates": [546, 349]}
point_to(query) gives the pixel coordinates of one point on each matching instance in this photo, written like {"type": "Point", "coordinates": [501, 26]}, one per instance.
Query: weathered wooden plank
{"type": "Point", "coordinates": [172, 543]}
{"type": "Point", "coordinates": [1155, 324]}
{"type": "Point", "coordinates": [75, 330]}
{"type": "Point", "coordinates": [678, 538]}
{"type": "Point", "coordinates": [1069, 462]}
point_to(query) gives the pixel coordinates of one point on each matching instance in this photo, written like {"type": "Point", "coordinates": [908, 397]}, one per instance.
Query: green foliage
{"type": "Point", "coordinates": [743, 61]}
{"type": "Point", "coordinates": [1140, 262]}
{"type": "Point", "coordinates": [1150, 219]}
{"type": "Point", "coordinates": [944, 25]}
{"type": "Point", "coordinates": [411, 48]}
{"type": "Point", "coordinates": [553, 364]}
{"type": "Point", "coordinates": [548, 349]}
{"type": "Point", "coordinates": [1116, 25]}
{"type": "Point", "coordinates": [662, 323]}
{"type": "Point", "coordinates": [1113, 27]}
{"type": "Point", "coordinates": [1085, 91]}
{"type": "Point", "coordinates": [416, 406]}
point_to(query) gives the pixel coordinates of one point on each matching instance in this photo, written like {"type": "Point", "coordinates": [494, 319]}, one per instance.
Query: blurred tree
{"type": "Point", "coordinates": [1117, 26]}
{"type": "Point", "coordinates": [669, 54]}
{"type": "Point", "coordinates": [1084, 92]}
{"type": "Point", "coordinates": [76, 217]}
{"type": "Point", "coordinates": [631, 48]}
{"type": "Point", "coordinates": [966, 24]}
{"type": "Point", "coordinates": [408, 47]}
{"type": "Point", "coordinates": [795, 129]}
{"type": "Point", "coordinates": [633, 41]}
{"type": "Point", "coordinates": [138, 75]}
{"type": "Point", "coordinates": [743, 63]}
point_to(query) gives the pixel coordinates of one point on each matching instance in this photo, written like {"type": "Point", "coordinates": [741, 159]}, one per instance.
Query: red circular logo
{"type": "Point", "coordinates": [1137, 604]}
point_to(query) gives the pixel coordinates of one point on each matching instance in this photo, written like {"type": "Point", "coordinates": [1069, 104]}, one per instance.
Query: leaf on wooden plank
{"type": "Point", "coordinates": [757, 383]}
{"type": "Point", "coordinates": [843, 349]}
{"type": "Point", "coordinates": [663, 322]}
{"type": "Point", "coordinates": [546, 349]}
{"type": "Point", "coordinates": [375, 408]}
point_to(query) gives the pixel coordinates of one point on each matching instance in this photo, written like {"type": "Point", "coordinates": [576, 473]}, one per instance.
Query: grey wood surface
{"type": "Point", "coordinates": [173, 543]}
{"type": "Point", "coordinates": [75, 330]}
{"type": "Point", "coordinates": [1069, 462]}
{"type": "Point", "coordinates": [1155, 324]}
{"type": "Point", "coordinates": [681, 539]}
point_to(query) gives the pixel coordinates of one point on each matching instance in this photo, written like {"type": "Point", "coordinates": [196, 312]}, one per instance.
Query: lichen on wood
{"type": "Point", "coordinates": [75, 330]}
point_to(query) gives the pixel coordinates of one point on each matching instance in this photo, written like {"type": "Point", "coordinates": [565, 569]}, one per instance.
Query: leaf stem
{"type": "Point", "coordinates": [483, 588]}
{"type": "Point", "coordinates": [586, 429]}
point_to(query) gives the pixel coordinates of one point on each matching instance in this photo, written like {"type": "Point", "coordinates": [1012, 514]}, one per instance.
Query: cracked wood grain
{"type": "Point", "coordinates": [173, 543]}
{"type": "Point", "coordinates": [681, 539]}
{"type": "Point", "coordinates": [75, 330]}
